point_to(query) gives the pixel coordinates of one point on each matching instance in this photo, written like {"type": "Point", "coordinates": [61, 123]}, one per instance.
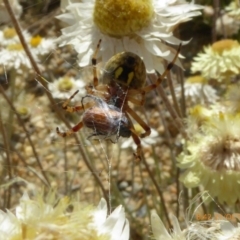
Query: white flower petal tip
{"type": "Point", "coordinates": [116, 225]}
{"type": "Point", "coordinates": [160, 232]}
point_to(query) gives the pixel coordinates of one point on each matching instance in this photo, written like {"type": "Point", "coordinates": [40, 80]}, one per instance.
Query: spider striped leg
{"type": "Point", "coordinates": [140, 121]}
{"type": "Point", "coordinates": [161, 77]}
{"type": "Point", "coordinates": [71, 108]}
{"type": "Point", "coordinates": [138, 152]}
{"type": "Point", "coordinates": [94, 64]}
{"type": "Point", "coordinates": [74, 129]}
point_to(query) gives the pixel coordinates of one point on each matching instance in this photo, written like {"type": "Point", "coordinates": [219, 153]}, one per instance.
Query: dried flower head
{"type": "Point", "coordinates": [212, 158]}
{"type": "Point", "coordinates": [227, 25]}
{"type": "Point", "coordinates": [233, 98]}
{"type": "Point", "coordinates": [220, 61]}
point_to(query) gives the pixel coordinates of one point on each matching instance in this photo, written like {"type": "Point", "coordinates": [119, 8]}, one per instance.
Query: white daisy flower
{"type": "Point", "coordinates": [14, 56]}
{"type": "Point", "coordinates": [197, 91]}
{"type": "Point", "coordinates": [64, 87]}
{"type": "Point", "coordinates": [142, 27]}
{"type": "Point", "coordinates": [41, 46]}
{"type": "Point", "coordinates": [9, 36]}
{"type": "Point", "coordinates": [145, 142]}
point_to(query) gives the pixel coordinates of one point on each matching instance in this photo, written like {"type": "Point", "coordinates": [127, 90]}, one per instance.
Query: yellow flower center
{"type": "Point", "coordinates": [35, 41]}
{"type": "Point", "coordinates": [226, 44]}
{"type": "Point", "coordinates": [15, 47]}
{"type": "Point", "coordinates": [65, 84]}
{"type": "Point", "coordinates": [197, 79]}
{"type": "Point", "coordinates": [9, 33]}
{"type": "Point", "coordinates": [23, 112]}
{"type": "Point", "coordinates": [119, 18]}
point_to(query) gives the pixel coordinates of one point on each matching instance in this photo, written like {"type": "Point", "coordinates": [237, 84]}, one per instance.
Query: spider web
{"type": "Point", "coordinates": [49, 155]}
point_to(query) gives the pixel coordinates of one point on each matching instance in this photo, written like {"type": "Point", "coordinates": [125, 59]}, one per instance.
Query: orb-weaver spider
{"type": "Point", "coordinates": [122, 81]}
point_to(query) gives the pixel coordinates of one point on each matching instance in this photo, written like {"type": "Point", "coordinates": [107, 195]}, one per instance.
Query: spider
{"type": "Point", "coordinates": [122, 81]}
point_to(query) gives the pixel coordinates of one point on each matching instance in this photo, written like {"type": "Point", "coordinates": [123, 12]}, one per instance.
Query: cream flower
{"type": "Point", "coordinates": [197, 91]}
{"type": "Point", "coordinates": [161, 233]}
{"type": "Point", "coordinates": [36, 219]}
{"type": "Point", "coordinates": [64, 87]}
{"type": "Point", "coordinates": [233, 9]}
{"type": "Point", "coordinates": [220, 61]}
{"type": "Point", "coordinates": [212, 158]}
{"type": "Point", "coordinates": [141, 27]}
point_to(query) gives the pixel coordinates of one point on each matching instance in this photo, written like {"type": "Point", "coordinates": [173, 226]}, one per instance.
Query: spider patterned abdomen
{"type": "Point", "coordinates": [127, 69]}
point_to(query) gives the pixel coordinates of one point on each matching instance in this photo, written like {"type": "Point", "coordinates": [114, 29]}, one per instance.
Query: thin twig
{"type": "Point", "coordinates": [158, 190]}
{"type": "Point", "coordinates": [27, 134]}
{"type": "Point", "coordinates": [175, 103]}
{"type": "Point", "coordinates": [8, 163]}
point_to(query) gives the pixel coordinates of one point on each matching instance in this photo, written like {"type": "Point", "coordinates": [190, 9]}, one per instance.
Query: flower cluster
{"type": "Point", "coordinates": [12, 53]}
{"type": "Point", "coordinates": [36, 219]}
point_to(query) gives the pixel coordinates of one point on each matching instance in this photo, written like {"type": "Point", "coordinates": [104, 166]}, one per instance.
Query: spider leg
{"type": "Point", "coordinates": [161, 77]}
{"type": "Point", "coordinates": [74, 129]}
{"type": "Point", "coordinates": [140, 121]}
{"type": "Point", "coordinates": [71, 108]}
{"type": "Point", "coordinates": [137, 141]}
{"type": "Point", "coordinates": [130, 98]}
{"type": "Point", "coordinates": [94, 63]}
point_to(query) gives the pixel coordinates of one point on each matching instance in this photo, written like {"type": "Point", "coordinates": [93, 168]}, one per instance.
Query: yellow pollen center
{"type": "Point", "coordinates": [35, 41]}
{"type": "Point", "coordinates": [119, 18]}
{"type": "Point", "coordinates": [65, 84]}
{"type": "Point", "coordinates": [197, 79]}
{"type": "Point", "coordinates": [15, 47]}
{"type": "Point", "coordinates": [9, 33]}
{"type": "Point", "coordinates": [226, 44]}
{"type": "Point", "coordinates": [23, 111]}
